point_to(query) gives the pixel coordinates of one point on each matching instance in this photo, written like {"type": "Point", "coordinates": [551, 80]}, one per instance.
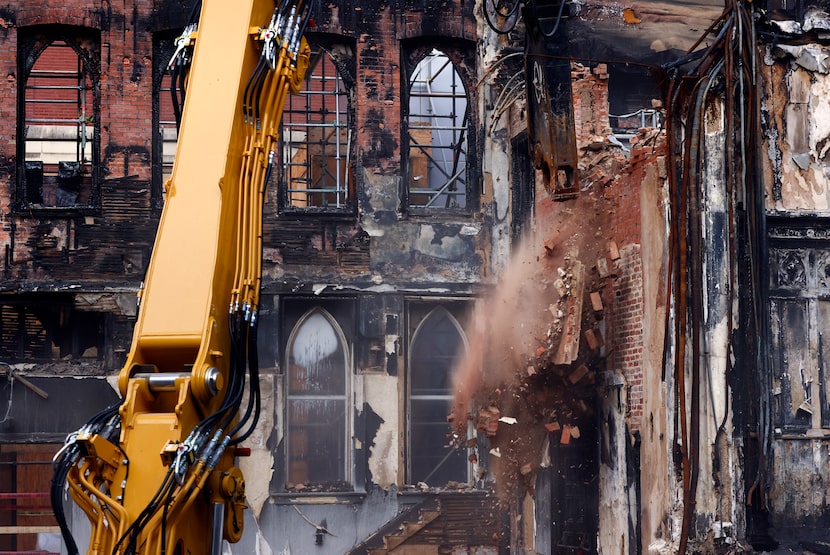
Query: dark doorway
{"type": "Point", "coordinates": [574, 491]}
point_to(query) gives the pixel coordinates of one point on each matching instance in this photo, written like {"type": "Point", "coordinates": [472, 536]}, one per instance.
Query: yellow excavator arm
{"type": "Point", "coordinates": [154, 474]}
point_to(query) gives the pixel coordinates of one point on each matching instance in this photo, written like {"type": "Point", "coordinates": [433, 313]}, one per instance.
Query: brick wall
{"type": "Point", "coordinates": [590, 98]}
{"type": "Point", "coordinates": [91, 247]}
{"type": "Point", "coordinates": [649, 149]}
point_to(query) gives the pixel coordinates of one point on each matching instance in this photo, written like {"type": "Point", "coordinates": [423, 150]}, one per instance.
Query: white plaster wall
{"type": "Point", "coordinates": [259, 467]}
{"type": "Point", "coordinates": [381, 393]}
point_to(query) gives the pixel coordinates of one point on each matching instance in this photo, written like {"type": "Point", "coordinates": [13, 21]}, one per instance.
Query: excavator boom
{"type": "Point", "coordinates": [153, 474]}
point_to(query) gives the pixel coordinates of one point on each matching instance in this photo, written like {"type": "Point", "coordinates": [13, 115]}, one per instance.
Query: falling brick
{"type": "Point", "coordinates": [602, 268]}
{"type": "Point", "coordinates": [630, 17]}
{"type": "Point", "coordinates": [613, 251]}
{"type": "Point", "coordinates": [596, 301]}
{"type": "Point", "coordinates": [574, 431]}
{"type": "Point", "coordinates": [526, 469]}
{"type": "Point", "coordinates": [488, 421]}
{"type": "Point", "coordinates": [580, 372]}
{"type": "Point", "coordinates": [553, 426]}
{"type": "Point", "coordinates": [594, 339]}
{"type": "Point", "coordinates": [566, 435]}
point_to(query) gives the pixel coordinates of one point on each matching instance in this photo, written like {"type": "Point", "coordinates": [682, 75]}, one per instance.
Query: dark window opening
{"type": "Point", "coordinates": [165, 135]}
{"type": "Point", "coordinates": [522, 189]}
{"type": "Point", "coordinates": [318, 138]}
{"type": "Point", "coordinates": [436, 344]}
{"type": "Point", "coordinates": [49, 331]}
{"type": "Point", "coordinates": [58, 113]}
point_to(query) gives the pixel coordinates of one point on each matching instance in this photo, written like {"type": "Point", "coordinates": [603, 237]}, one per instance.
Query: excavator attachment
{"type": "Point", "coordinates": [155, 473]}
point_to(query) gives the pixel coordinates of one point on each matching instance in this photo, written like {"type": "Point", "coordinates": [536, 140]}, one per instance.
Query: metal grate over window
{"type": "Point", "coordinates": [438, 122]}
{"type": "Point", "coordinates": [317, 138]}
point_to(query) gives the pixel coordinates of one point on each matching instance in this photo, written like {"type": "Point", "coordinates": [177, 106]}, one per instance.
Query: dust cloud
{"type": "Point", "coordinates": [508, 327]}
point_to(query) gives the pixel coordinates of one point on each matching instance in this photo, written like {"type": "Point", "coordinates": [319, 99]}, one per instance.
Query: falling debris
{"type": "Point", "coordinates": [630, 17]}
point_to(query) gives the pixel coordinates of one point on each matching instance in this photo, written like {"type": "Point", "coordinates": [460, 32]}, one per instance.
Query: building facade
{"type": "Point", "coordinates": [534, 280]}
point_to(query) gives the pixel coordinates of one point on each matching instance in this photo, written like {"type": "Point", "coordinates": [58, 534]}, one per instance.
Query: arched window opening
{"type": "Point", "coordinates": [59, 128]}
{"type": "Point", "coordinates": [317, 139]}
{"type": "Point", "coordinates": [436, 346]}
{"type": "Point", "coordinates": [437, 124]}
{"type": "Point", "coordinates": [316, 393]}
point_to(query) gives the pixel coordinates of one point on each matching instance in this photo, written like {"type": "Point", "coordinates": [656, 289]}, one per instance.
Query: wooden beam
{"type": "Point", "coordinates": [11, 530]}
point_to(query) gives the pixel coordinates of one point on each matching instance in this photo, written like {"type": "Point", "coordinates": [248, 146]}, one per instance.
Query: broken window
{"type": "Point", "coordinates": [438, 133]}
{"type": "Point", "coordinates": [318, 136]}
{"type": "Point", "coordinates": [164, 113]}
{"type": "Point", "coordinates": [317, 414]}
{"type": "Point", "coordinates": [436, 345]}
{"type": "Point", "coordinates": [48, 330]}
{"type": "Point", "coordinates": [59, 130]}
{"type": "Point", "coordinates": [800, 316]}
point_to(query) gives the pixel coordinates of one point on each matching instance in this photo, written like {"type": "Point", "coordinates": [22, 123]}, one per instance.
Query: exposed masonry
{"type": "Point", "coordinates": [378, 262]}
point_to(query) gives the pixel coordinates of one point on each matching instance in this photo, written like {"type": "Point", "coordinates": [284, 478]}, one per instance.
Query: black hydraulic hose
{"type": "Point", "coordinates": [174, 96]}
{"type": "Point", "coordinates": [56, 498]}
{"type": "Point", "coordinates": [63, 465]}
{"type": "Point", "coordinates": [254, 396]}
{"type": "Point", "coordinates": [138, 524]}
{"type": "Point", "coordinates": [558, 21]}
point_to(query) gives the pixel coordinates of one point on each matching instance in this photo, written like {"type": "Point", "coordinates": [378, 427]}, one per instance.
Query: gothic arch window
{"type": "Point", "coordinates": [317, 414]}
{"type": "Point", "coordinates": [59, 127]}
{"type": "Point", "coordinates": [439, 133]}
{"type": "Point", "coordinates": [437, 343]}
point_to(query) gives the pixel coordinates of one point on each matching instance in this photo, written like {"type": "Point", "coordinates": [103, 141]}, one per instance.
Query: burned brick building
{"type": "Point", "coordinates": [592, 233]}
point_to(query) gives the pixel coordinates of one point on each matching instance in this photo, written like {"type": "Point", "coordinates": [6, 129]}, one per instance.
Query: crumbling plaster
{"type": "Point", "coordinates": [659, 486]}
{"type": "Point", "coordinates": [797, 167]}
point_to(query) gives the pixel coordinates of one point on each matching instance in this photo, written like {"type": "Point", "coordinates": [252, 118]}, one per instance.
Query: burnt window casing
{"type": "Point", "coordinates": [46, 331]}
{"type": "Point", "coordinates": [165, 130]}
{"type": "Point", "coordinates": [436, 344]}
{"type": "Point", "coordinates": [799, 317]}
{"type": "Point", "coordinates": [439, 133]}
{"type": "Point", "coordinates": [318, 137]}
{"type": "Point", "coordinates": [58, 118]}
{"type": "Point", "coordinates": [317, 409]}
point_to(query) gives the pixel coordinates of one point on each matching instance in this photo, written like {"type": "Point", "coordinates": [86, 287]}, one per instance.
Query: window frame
{"type": "Point", "coordinates": [423, 312]}
{"type": "Point", "coordinates": [332, 314]}
{"type": "Point", "coordinates": [461, 54]}
{"type": "Point", "coordinates": [163, 48]}
{"type": "Point", "coordinates": [341, 53]}
{"type": "Point", "coordinates": [32, 42]}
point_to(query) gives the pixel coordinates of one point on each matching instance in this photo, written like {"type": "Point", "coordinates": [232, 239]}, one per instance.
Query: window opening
{"type": "Point", "coordinates": [165, 138]}
{"type": "Point", "coordinates": [437, 127]}
{"type": "Point", "coordinates": [167, 126]}
{"type": "Point", "coordinates": [317, 417]}
{"type": "Point", "coordinates": [59, 125]}
{"type": "Point", "coordinates": [435, 348]}
{"type": "Point", "coordinates": [317, 139]}
{"type": "Point", "coordinates": [49, 331]}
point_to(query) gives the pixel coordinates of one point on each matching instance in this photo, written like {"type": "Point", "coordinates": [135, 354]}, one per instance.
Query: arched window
{"type": "Point", "coordinates": [317, 138]}
{"type": "Point", "coordinates": [438, 126]}
{"type": "Point", "coordinates": [436, 345]}
{"type": "Point", "coordinates": [316, 394]}
{"type": "Point", "coordinates": [59, 123]}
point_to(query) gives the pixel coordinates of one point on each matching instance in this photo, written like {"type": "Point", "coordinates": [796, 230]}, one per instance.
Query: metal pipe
{"type": "Point", "coordinates": [218, 524]}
